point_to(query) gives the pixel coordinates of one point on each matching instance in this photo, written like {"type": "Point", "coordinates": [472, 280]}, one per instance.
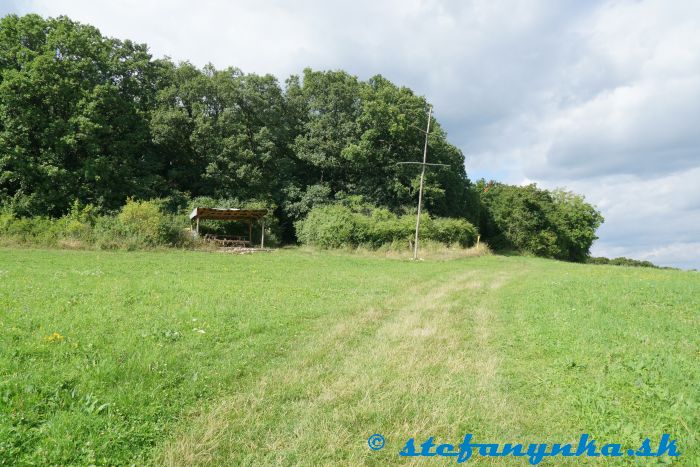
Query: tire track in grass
{"type": "Point", "coordinates": [421, 364]}
{"type": "Point", "coordinates": [209, 431]}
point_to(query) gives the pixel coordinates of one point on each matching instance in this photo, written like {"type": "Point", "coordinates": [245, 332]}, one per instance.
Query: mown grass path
{"type": "Point", "coordinates": [532, 352]}
{"type": "Point", "coordinates": [396, 367]}
{"type": "Point", "coordinates": [305, 355]}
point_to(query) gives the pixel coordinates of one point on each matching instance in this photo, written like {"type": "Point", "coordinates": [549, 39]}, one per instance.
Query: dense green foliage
{"type": "Point", "coordinates": [89, 118]}
{"type": "Point", "coordinates": [622, 261]}
{"type": "Point", "coordinates": [139, 224]}
{"type": "Point", "coordinates": [188, 358]}
{"type": "Point", "coordinates": [555, 224]}
{"type": "Point", "coordinates": [95, 120]}
{"type": "Point", "coordinates": [335, 226]}
{"type": "Point", "coordinates": [74, 116]}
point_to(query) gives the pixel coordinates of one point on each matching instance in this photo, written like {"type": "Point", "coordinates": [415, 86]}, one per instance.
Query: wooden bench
{"type": "Point", "coordinates": [228, 240]}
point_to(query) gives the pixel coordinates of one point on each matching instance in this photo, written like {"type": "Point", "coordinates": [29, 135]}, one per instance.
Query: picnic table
{"type": "Point", "coordinates": [228, 240]}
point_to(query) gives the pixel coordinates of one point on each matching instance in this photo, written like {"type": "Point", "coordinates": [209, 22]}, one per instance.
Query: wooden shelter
{"type": "Point", "coordinates": [226, 214]}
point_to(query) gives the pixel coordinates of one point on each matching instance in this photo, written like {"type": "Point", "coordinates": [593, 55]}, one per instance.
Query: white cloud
{"type": "Point", "coordinates": [602, 97]}
{"type": "Point", "coordinates": [642, 64]}
{"type": "Point", "coordinates": [648, 218]}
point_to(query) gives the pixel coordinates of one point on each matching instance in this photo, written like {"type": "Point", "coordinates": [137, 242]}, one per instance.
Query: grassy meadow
{"type": "Point", "coordinates": [296, 357]}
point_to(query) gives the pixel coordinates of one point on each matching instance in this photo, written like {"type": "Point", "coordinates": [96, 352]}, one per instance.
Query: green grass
{"type": "Point", "coordinates": [182, 357]}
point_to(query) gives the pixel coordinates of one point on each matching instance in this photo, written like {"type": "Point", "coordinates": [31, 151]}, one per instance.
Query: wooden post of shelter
{"type": "Point", "coordinates": [262, 236]}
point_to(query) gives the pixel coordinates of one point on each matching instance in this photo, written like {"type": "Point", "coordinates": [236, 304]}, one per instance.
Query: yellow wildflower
{"type": "Point", "coordinates": [55, 337]}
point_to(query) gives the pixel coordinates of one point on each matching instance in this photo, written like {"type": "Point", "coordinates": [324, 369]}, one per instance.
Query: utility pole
{"type": "Point", "coordinates": [422, 177]}
{"type": "Point", "coordinates": [424, 164]}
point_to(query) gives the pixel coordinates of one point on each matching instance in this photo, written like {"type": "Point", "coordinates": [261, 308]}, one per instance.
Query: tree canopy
{"type": "Point", "coordinates": [96, 120]}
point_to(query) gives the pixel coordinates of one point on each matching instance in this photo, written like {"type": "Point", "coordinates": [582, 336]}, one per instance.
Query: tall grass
{"type": "Point", "coordinates": [428, 250]}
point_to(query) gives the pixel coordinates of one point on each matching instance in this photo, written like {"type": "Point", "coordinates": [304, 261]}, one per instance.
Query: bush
{"type": "Point", "coordinates": [451, 231]}
{"type": "Point", "coordinates": [622, 261]}
{"type": "Point", "coordinates": [37, 230]}
{"type": "Point", "coordinates": [385, 228]}
{"type": "Point", "coordinates": [140, 224]}
{"type": "Point", "coordinates": [554, 224]}
{"type": "Point", "coordinates": [144, 222]}
{"type": "Point", "coordinates": [332, 226]}
{"type": "Point", "coordinates": [337, 226]}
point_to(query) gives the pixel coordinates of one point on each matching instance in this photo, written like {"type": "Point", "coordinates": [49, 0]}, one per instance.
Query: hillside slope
{"type": "Point", "coordinates": [298, 357]}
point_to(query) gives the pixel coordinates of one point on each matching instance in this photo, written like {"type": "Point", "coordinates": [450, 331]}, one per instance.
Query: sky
{"type": "Point", "coordinates": [598, 97]}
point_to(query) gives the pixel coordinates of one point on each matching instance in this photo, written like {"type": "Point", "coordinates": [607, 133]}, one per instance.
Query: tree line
{"type": "Point", "coordinates": [96, 120]}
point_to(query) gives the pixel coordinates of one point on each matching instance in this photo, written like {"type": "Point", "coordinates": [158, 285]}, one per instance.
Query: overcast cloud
{"type": "Point", "coordinates": [599, 97]}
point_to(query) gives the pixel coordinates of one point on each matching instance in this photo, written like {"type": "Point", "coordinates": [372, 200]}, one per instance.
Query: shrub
{"type": "Point", "coordinates": [145, 221]}
{"type": "Point", "coordinates": [337, 226]}
{"type": "Point", "coordinates": [555, 224]}
{"type": "Point", "coordinates": [622, 261]}
{"type": "Point", "coordinates": [451, 231]}
{"type": "Point", "coordinates": [39, 230]}
{"type": "Point", "coordinates": [379, 226]}
{"type": "Point", "coordinates": [140, 224]}
{"type": "Point", "coordinates": [331, 226]}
